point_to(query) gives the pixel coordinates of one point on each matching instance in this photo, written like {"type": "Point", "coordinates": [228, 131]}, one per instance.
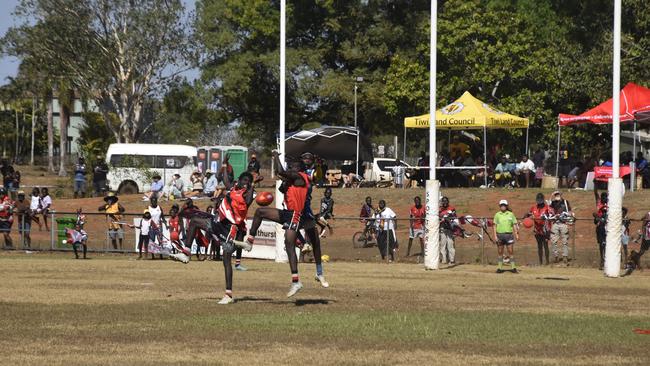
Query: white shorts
{"type": "Point", "coordinates": [416, 233]}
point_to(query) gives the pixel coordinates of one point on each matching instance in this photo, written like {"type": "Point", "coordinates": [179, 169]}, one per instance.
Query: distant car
{"type": "Point", "coordinates": [381, 171]}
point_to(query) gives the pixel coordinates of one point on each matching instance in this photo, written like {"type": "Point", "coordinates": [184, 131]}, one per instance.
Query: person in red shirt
{"type": "Point", "coordinates": [448, 216]}
{"type": "Point", "coordinates": [541, 212]}
{"type": "Point", "coordinates": [416, 228]}
{"type": "Point", "coordinates": [6, 216]}
{"type": "Point", "coordinates": [295, 186]}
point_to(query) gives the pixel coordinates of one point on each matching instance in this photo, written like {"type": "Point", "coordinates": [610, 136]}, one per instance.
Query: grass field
{"type": "Point", "coordinates": [116, 310]}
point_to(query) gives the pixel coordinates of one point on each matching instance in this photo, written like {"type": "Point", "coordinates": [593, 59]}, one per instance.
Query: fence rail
{"type": "Point", "coordinates": [474, 249]}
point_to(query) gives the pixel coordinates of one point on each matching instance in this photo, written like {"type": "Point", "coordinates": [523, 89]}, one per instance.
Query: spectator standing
{"type": "Point", "coordinates": [541, 213]}
{"type": "Point", "coordinates": [525, 172]}
{"type": "Point", "coordinates": [417, 216]}
{"type": "Point", "coordinates": [367, 211]}
{"type": "Point", "coordinates": [99, 177]}
{"type": "Point", "coordinates": [387, 240]}
{"type": "Point", "coordinates": [15, 184]}
{"type": "Point", "coordinates": [7, 171]}
{"type": "Point", "coordinates": [35, 207]}
{"type": "Point", "coordinates": [210, 184]}
{"type": "Point", "coordinates": [254, 167]}
{"type": "Point", "coordinates": [46, 205]}
{"type": "Point", "coordinates": [539, 157]}
{"type": "Point", "coordinates": [114, 213]}
{"type": "Point", "coordinates": [564, 165]}
{"type": "Point", "coordinates": [572, 178]}
{"type": "Point", "coordinates": [6, 216]}
{"type": "Point", "coordinates": [562, 216]}
{"type": "Point", "coordinates": [24, 215]}
{"type": "Point", "coordinates": [643, 169]}
{"type": "Point", "coordinates": [226, 168]}
{"type": "Point", "coordinates": [447, 214]}
{"type": "Point", "coordinates": [467, 174]}
{"type": "Point", "coordinates": [600, 220]}
{"type": "Point", "coordinates": [80, 178]}
{"type": "Point", "coordinates": [157, 221]}
{"type": "Point", "coordinates": [326, 213]}
{"type": "Point", "coordinates": [399, 171]}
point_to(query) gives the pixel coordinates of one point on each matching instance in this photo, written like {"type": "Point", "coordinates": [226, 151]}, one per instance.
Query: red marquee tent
{"type": "Point", "coordinates": [635, 107]}
{"type": "Point", "coordinates": [635, 100]}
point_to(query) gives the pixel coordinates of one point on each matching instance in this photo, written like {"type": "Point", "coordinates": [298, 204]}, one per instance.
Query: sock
{"type": "Point", "coordinates": [512, 262]}
{"type": "Point", "coordinates": [229, 293]}
{"type": "Point", "coordinates": [295, 278]}
{"type": "Point", "coordinates": [500, 265]}
{"type": "Point", "coordinates": [319, 269]}
{"type": "Point", "coordinates": [237, 262]}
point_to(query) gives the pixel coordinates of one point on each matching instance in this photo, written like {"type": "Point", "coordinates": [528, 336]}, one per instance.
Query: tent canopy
{"type": "Point", "coordinates": [468, 113]}
{"type": "Point", "coordinates": [635, 105]}
{"type": "Point", "coordinates": [329, 142]}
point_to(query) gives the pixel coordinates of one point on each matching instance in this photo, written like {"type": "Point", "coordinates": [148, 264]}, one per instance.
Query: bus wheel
{"type": "Point", "coordinates": [128, 188]}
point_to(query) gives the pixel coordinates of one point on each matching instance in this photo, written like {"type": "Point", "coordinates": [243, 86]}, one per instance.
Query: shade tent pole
{"type": "Point", "coordinates": [557, 155]}
{"type": "Point", "coordinates": [485, 155]}
{"type": "Point", "coordinates": [633, 168]}
{"type": "Point", "coordinates": [404, 155]}
{"type": "Point", "coordinates": [615, 186]}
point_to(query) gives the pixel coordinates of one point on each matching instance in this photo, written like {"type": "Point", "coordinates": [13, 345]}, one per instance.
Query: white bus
{"type": "Point", "coordinates": [131, 166]}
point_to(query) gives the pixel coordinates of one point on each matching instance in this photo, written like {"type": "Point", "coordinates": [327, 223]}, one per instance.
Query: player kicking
{"type": "Point", "coordinates": [295, 187]}
{"type": "Point", "coordinates": [229, 225]}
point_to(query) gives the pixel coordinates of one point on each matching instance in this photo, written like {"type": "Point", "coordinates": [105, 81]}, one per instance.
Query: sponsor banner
{"type": "Point", "coordinates": [603, 173]}
{"type": "Point", "coordinates": [264, 247]}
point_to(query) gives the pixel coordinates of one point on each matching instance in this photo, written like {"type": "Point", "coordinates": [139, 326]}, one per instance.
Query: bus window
{"type": "Point", "coordinates": [170, 162]}
{"type": "Point", "coordinates": [132, 161]}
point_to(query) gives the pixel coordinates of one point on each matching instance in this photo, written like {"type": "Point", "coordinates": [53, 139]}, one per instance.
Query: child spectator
{"type": "Point", "coordinates": [35, 207]}
{"type": "Point", "coordinates": [46, 204]}
{"type": "Point", "coordinates": [326, 213]}
{"type": "Point", "coordinates": [143, 240]}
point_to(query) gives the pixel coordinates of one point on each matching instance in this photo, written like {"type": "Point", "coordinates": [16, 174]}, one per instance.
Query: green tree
{"type": "Point", "coordinates": [118, 53]}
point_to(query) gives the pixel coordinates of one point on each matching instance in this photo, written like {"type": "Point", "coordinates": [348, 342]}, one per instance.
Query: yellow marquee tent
{"type": "Point", "coordinates": [468, 113]}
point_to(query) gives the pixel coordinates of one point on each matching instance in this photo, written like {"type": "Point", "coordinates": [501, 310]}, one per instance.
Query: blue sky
{"type": "Point", "coordinates": [9, 65]}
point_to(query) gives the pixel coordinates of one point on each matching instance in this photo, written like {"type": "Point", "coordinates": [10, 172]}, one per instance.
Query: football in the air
{"type": "Point", "coordinates": [264, 198]}
{"type": "Point", "coordinates": [528, 222]}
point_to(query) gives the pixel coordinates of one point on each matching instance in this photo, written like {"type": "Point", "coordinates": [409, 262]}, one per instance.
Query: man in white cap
{"type": "Point", "coordinates": [562, 216]}
{"type": "Point", "coordinates": [505, 232]}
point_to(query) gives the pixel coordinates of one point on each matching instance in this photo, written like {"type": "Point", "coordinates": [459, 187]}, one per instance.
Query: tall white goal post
{"type": "Point", "coordinates": [432, 237]}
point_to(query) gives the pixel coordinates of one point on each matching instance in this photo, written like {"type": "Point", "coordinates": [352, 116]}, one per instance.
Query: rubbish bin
{"type": "Point", "coordinates": [62, 224]}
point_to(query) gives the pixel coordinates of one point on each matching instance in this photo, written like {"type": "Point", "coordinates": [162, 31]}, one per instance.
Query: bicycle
{"type": "Point", "coordinates": [366, 238]}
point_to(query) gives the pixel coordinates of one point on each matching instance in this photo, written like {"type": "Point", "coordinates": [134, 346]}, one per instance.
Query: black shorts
{"type": "Point", "coordinates": [290, 219]}
{"type": "Point", "coordinates": [505, 239]}
{"type": "Point", "coordinates": [5, 225]}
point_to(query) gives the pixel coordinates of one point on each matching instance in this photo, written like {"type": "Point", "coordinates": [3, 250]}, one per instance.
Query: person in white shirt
{"type": "Point", "coordinates": [387, 240]}
{"type": "Point", "coordinates": [143, 242]}
{"type": "Point", "coordinates": [525, 172]}
{"type": "Point", "coordinates": [46, 204]}
{"type": "Point", "coordinates": [176, 187]}
{"type": "Point", "coordinates": [35, 207]}
{"type": "Point", "coordinates": [398, 174]}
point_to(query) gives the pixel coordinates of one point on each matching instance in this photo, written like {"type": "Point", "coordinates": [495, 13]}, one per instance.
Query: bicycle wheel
{"type": "Point", "coordinates": [359, 240]}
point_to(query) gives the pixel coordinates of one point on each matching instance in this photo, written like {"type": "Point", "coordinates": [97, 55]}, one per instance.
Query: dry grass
{"type": "Point", "coordinates": [115, 310]}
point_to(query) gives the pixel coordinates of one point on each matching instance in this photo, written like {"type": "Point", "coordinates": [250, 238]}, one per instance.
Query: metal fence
{"type": "Point", "coordinates": [477, 248]}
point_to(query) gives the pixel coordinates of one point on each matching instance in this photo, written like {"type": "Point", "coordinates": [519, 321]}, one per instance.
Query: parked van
{"type": "Point", "coordinates": [380, 170]}
{"type": "Point", "coordinates": [131, 166]}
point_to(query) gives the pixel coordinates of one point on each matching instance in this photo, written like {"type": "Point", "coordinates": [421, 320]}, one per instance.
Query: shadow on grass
{"type": "Point", "coordinates": [298, 302]}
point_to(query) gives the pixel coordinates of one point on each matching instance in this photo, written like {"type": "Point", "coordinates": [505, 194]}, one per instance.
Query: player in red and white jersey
{"type": "Point", "coordinates": [295, 186]}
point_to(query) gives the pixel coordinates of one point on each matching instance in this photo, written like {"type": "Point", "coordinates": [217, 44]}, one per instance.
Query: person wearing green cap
{"type": "Point", "coordinates": [505, 232]}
